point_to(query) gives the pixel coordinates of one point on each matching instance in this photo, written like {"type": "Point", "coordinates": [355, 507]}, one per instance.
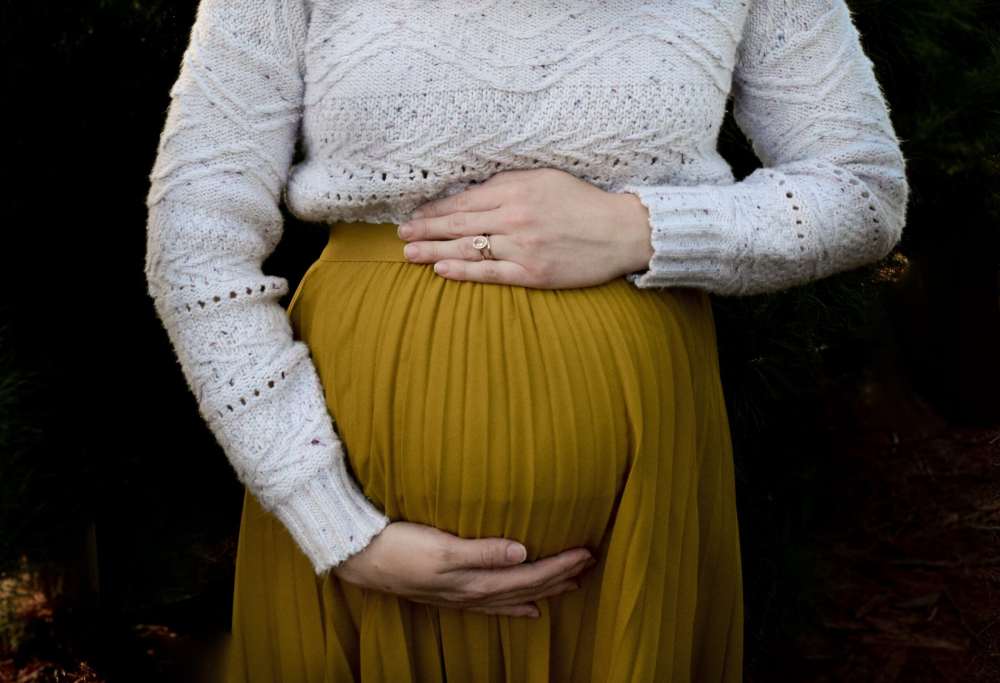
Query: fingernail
{"type": "Point", "coordinates": [404, 230]}
{"type": "Point", "coordinates": [410, 250]}
{"type": "Point", "coordinates": [418, 213]}
{"type": "Point", "coordinates": [440, 268]}
{"type": "Point", "coordinates": [516, 553]}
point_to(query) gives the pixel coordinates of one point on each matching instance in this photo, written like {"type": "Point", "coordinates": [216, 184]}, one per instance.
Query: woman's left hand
{"type": "Point", "coordinates": [547, 228]}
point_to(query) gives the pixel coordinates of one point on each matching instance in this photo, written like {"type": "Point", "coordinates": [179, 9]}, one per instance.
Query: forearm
{"type": "Point", "coordinates": [213, 219]}
{"type": "Point", "coordinates": [256, 386]}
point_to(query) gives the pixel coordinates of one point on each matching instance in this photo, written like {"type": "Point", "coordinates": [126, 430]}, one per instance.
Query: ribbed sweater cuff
{"type": "Point", "coordinates": [692, 237]}
{"type": "Point", "coordinates": [330, 518]}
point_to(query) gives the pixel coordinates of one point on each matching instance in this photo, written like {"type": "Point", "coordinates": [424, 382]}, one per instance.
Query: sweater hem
{"type": "Point", "coordinates": [691, 235]}
{"type": "Point", "coordinates": [330, 517]}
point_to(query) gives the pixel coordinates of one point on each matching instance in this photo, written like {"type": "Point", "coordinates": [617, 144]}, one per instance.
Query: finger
{"type": "Point", "coordinates": [461, 248]}
{"type": "Point", "coordinates": [551, 590]}
{"type": "Point", "coordinates": [574, 574]}
{"type": "Point", "coordinates": [513, 611]}
{"type": "Point", "coordinates": [531, 592]}
{"type": "Point", "coordinates": [479, 197]}
{"type": "Point", "coordinates": [451, 226]}
{"type": "Point", "coordinates": [517, 609]}
{"type": "Point", "coordinates": [482, 553]}
{"type": "Point", "coordinates": [475, 585]}
{"type": "Point", "coordinates": [490, 270]}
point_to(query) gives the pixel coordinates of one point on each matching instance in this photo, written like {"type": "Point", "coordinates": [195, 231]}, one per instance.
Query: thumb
{"type": "Point", "coordinates": [489, 553]}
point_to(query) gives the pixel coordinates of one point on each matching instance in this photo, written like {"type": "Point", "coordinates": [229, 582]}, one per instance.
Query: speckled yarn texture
{"type": "Point", "coordinates": [396, 102]}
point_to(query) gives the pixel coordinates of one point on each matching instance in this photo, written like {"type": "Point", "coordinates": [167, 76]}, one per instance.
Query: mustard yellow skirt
{"type": "Point", "coordinates": [559, 418]}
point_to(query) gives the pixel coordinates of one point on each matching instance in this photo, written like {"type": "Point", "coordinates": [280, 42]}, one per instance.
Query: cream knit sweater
{"type": "Point", "coordinates": [398, 101]}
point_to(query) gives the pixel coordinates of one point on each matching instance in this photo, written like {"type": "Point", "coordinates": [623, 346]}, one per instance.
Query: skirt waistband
{"type": "Point", "coordinates": [360, 241]}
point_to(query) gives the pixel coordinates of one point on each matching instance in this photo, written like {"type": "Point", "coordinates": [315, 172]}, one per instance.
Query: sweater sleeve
{"type": "Point", "coordinates": [832, 191]}
{"type": "Point", "coordinates": [213, 217]}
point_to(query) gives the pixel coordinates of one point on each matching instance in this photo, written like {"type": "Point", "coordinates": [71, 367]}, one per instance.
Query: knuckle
{"type": "Point", "coordinates": [529, 241]}
{"type": "Point", "coordinates": [433, 252]}
{"type": "Point", "coordinates": [461, 201]}
{"type": "Point", "coordinates": [456, 224]}
{"type": "Point", "coordinates": [449, 590]}
{"type": "Point", "coordinates": [539, 282]}
{"type": "Point", "coordinates": [475, 592]}
{"type": "Point", "coordinates": [456, 268]}
{"type": "Point", "coordinates": [487, 556]}
{"type": "Point", "coordinates": [542, 273]}
{"type": "Point", "coordinates": [452, 596]}
{"type": "Point", "coordinates": [491, 272]}
{"type": "Point", "coordinates": [444, 555]}
{"type": "Point", "coordinates": [490, 588]}
{"type": "Point", "coordinates": [520, 215]}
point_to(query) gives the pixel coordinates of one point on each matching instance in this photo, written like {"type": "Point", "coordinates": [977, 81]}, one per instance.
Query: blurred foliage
{"type": "Point", "coordinates": [926, 318]}
{"type": "Point", "coordinates": [18, 477]}
{"type": "Point", "coordinates": [106, 431]}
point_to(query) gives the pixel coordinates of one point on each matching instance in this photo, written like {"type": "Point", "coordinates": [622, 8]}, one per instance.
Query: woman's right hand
{"type": "Point", "coordinates": [428, 565]}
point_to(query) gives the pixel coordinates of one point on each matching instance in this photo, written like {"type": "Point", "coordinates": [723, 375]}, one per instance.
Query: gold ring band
{"type": "Point", "coordinates": [482, 243]}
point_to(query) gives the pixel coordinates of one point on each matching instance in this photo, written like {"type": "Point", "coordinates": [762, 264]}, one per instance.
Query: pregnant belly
{"type": "Point", "coordinates": [491, 410]}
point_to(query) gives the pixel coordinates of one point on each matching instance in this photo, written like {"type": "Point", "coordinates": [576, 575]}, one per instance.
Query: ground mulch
{"type": "Point", "coordinates": [908, 565]}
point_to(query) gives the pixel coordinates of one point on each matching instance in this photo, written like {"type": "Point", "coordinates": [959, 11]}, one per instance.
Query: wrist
{"type": "Point", "coordinates": [635, 231]}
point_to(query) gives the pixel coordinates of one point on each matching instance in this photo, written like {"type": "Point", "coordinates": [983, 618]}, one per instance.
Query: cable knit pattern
{"type": "Point", "coordinates": [399, 101]}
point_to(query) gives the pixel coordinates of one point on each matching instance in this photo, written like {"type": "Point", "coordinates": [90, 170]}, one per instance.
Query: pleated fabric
{"type": "Point", "coordinates": [560, 418]}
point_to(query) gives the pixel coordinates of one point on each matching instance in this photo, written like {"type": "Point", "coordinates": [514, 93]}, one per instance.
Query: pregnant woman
{"type": "Point", "coordinates": [487, 441]}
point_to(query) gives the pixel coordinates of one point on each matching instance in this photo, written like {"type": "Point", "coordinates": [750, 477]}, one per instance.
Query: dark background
{"type": "Point", "coordinates": [864, 407]}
